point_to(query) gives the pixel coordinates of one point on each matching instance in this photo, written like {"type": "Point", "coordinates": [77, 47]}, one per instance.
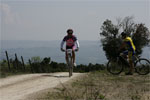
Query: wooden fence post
{"type": "Point", "coordinates": [16, 60]}
{"type": "Point", "coordinates": [31, 65]}
{"type": "Point", "coordinates": [8, 60]}
{"type": "Point", "coordinates": [23, 63]}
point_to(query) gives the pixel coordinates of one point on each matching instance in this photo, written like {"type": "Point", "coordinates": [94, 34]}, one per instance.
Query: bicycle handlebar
{"type": "Point", "coordinates": [64, 50]}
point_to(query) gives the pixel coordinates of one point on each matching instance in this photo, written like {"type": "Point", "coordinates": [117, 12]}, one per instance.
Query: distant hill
{"type": "Point", "coordinates": [90, 51]}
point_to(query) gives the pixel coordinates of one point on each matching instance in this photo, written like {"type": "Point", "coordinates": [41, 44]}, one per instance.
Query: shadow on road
{"type": "Point", "coordinates": [55, 76]}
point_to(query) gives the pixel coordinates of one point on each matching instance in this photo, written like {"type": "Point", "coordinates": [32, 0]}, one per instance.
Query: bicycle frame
{"type": "Point", "coordinates": [123, 60]}
{"type": "Point", "coordinates": [69, 52]}
{"type": "Point", "coordinates": [126, 63]}
{"type": "Point", "coordinates": [116, 66]}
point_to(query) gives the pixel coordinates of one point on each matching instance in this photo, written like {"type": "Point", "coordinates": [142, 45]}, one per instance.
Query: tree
{"type": "Point", "coordinates": [111, 39]}
{"type": "Point", "coordinates": [36, 59]}
{"type": "Point", "coordinates": [46, 61]}
{"type": "Point", "coordinates": [109, 30]}
{"type": "Point", "coordinates": [141, 37]}
{"type": "Point", "coordinates": [128, 25]}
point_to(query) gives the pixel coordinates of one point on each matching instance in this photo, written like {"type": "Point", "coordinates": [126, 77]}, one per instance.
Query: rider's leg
{"type": "Point", "coordinates": [131, 66]}
{"type": "Point", "coordinates": [67, 60]}
{"type": "Point", "coordinates": [73, 56]}
{"type": "Point", "coordinates": [130, 54]}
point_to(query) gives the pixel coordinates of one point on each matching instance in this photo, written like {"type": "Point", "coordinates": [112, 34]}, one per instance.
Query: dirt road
{"type": "Point", "coordinates": [19, 87]}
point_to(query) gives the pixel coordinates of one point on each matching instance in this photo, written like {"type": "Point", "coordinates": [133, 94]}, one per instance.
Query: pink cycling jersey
{"type": "Point", "coordinates": [70, 41]}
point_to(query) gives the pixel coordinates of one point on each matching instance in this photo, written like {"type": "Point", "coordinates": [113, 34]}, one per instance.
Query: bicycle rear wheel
{"type": "Point", "coordinates": [142, 66]}
{"type": "Point", "coordinates": [114, 67]}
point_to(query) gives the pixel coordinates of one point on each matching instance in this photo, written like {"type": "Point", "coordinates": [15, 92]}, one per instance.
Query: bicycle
{"type": "Point", "coordinates": [70, 62]}
{"type": "Point", "coordinates": [116, 66]}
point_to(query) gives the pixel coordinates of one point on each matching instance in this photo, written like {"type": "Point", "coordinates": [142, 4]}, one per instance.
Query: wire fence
{"type": "Point", "coordinates": [12, 56]}
{"type": "Point", "coordinates": [12, 61]}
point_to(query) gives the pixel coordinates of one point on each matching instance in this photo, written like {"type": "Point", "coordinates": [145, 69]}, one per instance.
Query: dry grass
{"type": "Point", "coordinates": [103, 86]}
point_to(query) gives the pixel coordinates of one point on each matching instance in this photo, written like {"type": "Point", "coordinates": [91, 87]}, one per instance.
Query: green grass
{"type": "Point", "coordinates": [4, 72]}
{"type": "Point", "coordinates": [101, 85]}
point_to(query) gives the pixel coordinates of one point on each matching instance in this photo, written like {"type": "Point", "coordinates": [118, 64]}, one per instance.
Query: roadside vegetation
{"type": "Point", "coordinates": [45, 65]}
{"type": "Point", "coordinates": [101, 85]}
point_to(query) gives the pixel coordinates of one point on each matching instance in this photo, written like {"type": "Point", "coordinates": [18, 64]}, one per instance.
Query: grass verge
{"type": "Point", "coordinates": [102, 86]}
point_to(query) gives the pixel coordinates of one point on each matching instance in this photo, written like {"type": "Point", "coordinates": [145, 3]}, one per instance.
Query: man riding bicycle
{"type": "Point", "coordinates": [71, 43]}
{"type": "Point", "coordinates": [130, 50]}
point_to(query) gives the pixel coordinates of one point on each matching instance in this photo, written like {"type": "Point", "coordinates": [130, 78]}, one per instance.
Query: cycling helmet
{"type": "Point", "coordinates": [123, 34]}
{"type": "Point", "coordinates": [70, 31]}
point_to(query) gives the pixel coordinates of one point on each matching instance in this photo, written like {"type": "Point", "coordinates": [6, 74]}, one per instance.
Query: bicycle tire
{"type": "Point", "coordinates": [70, 71]}
{"type": "Point", "coordinates": [70, 66]}
{"type": "Point", "coordinates": [140, 69]}
{"type": "Point", "coordinates": [118, 65]}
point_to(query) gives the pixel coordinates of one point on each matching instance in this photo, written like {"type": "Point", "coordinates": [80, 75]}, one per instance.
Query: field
{"type": "Point", "coordinates": [100, 86]}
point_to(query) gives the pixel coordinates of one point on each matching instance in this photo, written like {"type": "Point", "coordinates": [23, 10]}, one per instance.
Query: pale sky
{"type": "Point", "coordinates": [49, 19]}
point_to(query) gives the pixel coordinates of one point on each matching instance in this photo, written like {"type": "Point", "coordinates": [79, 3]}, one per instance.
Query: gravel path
{"type": "Point", "coordinates": [19, 87]}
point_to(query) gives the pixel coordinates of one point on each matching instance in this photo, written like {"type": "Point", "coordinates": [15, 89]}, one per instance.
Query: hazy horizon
{"type": "Point", "coordinates": [90, 51]}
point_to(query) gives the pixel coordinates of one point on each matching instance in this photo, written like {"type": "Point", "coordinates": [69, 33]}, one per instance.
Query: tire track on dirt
{"type": "Point", "coordinates": [24, 85]}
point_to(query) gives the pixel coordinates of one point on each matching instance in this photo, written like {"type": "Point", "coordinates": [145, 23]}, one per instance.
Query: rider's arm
{"type": "Point", "coordinates": [77, 43]}
{"type": "Point", "coordinates": [122, 46]}
{"type": "Point", "coordinates": [62, 43]}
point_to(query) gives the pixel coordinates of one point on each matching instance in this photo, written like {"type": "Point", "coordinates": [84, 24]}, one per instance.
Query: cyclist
{"type": "Point", "coordinates": [130, 50]}
{"type": "Point", "coordinates": [71, 43]}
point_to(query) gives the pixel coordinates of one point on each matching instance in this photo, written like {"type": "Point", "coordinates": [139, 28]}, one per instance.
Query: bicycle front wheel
{"type": "Point", "coordinates": [70, 71]}
{"type": "Point", "coordinates": [142, 66]}
{"type": "Point", "coordinates": [70, 65]}
{"type": "Point", "coordinates": [114, 67]}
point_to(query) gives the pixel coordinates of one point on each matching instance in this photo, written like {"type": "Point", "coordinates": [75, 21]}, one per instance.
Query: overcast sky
{"type": "Point", "coordinates": [49, 19]}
